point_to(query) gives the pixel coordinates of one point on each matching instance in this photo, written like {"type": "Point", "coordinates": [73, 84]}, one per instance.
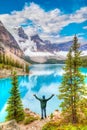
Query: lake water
{"type": "Point", "coordinates": [43, 80]}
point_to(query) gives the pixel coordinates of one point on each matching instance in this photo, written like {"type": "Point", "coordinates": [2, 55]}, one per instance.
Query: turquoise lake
{"type": "Point", "coordinates": [43, 80]}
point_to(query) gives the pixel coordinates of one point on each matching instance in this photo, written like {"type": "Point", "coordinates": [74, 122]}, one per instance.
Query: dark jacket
{"type": "Point", "coordinates": [43, 101]}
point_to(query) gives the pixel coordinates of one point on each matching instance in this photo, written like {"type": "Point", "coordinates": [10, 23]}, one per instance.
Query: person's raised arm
{"type": "Point", "coordinates": [50, 97]}
{"type": "Point", "coordinates": [36, 97]}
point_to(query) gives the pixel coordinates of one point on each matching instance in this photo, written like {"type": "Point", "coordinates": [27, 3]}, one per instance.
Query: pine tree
{"type": "Point", "coordinates": [72, 88]}
{"type": "Point", "coordinates": [7, 60]}
{"type": "Point", "coordinates": [1, 57]}
{"type": "Point", "coordinates": [14, 104]}
{"type": "Point", "coordinates": [4, 58]}
{"type": "Point", "coordinates": [27, 68]}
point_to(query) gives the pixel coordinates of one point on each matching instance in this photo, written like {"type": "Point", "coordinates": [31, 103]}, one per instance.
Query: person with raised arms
{"type": "Point", "coordinates": [43, 103]}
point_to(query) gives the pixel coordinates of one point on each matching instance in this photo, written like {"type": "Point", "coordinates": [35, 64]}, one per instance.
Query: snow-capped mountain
{"type": "Point", "coordinates": [33, 46]}
{"type": "Point", "coordinates": [22, 39]}
{"type": "Point", "coordinates": [22, 34]}
{"type": "Point", "coordinates": [47, 46]}
{"type": "Point", "coordinates": [37, 44]}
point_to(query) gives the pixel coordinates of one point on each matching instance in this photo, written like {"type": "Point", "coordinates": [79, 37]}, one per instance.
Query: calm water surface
{"type": "Point", "coordinates": [43, 80]}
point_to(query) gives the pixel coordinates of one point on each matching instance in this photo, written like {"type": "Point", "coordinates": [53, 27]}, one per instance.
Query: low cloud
{"type": "Point", "coordinates": [44, 23]}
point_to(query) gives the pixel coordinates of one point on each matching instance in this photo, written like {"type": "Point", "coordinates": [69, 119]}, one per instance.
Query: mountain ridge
{"type": "Point", "coordinates": [20, 43]}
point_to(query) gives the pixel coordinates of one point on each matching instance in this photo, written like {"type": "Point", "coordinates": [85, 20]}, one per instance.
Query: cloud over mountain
{"type": "Point", "coordinates": [48, 24]}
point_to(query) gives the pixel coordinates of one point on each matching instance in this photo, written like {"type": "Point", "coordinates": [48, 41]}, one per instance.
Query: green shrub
{"type": "Point", "coordinates": [50, 126]}
{"type": "Point", "coordinates": [29, 119]}
{"type": "Point", "coordinates": [57, 126]}
{"type": "Point", "coordinates": [27, 115]}
{"type": "Point", "coordinates": [51, 116]}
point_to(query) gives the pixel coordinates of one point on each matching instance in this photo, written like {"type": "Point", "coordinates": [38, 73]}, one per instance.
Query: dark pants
{"type": "Point", "coordinates": [43, 112]}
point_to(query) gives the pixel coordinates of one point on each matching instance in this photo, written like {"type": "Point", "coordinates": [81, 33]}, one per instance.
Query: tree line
{"type": "Point", "coordinates": [8, 62]}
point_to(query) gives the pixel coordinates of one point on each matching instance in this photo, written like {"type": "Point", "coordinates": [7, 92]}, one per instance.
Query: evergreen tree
{"type": "Point", "coordinates": [15, 107]}
{"type": "Point", "coordinates": [7, 60]}
{"type": "Point", "coordinates": [0, 57]}
{"type": "Point", "coordinates": [72, 88]}
{"type": "Point", "coordinates": [3, 58]}
{"type": "Point", "coordinates": [27, 68]}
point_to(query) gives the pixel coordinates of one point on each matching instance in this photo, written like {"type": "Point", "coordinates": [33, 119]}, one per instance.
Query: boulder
{"type": "Point", "coordinates": [56, 115]}
{"type": "Point", "coordinates": [28, 111]}
{"type": "Point", "coordinates": [10, 125]}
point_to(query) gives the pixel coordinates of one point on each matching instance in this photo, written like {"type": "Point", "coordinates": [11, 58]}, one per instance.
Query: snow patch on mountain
{"type": "Point", "coordinates": [23, 40]}
{"type": "Point", "coordinates": [33, 46]}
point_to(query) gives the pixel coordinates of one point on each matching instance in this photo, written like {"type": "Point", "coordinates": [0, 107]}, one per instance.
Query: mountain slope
{"type": "Point", "coordinates": [8, 41]}
{"type": "Point", "coordinates": [9, 46]}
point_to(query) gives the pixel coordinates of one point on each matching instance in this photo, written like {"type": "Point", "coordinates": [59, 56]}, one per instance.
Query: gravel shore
{"type": "Point", "coordinates": [8, 73]}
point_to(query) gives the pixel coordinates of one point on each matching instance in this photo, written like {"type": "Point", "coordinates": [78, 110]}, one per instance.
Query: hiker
{"type": "Point", "coordinates": [43, 103]}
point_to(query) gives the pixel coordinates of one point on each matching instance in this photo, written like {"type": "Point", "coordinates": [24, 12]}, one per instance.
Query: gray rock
{"type": "Point", "coordinates": [10, 125]}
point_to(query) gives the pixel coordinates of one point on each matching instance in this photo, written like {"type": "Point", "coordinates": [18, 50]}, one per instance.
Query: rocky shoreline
{"type": "Point", "coordinates": [35, 125]}
{"type": "Point", "coordinates": [4, 73]}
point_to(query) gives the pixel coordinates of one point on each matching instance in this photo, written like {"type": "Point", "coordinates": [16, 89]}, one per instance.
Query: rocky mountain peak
{"type": "Point", "coordinates": [35, 38]}
{"type": "Point", "coordinates": [22, 34]}
{"type": "Point", "coordinates": [47, 41]}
